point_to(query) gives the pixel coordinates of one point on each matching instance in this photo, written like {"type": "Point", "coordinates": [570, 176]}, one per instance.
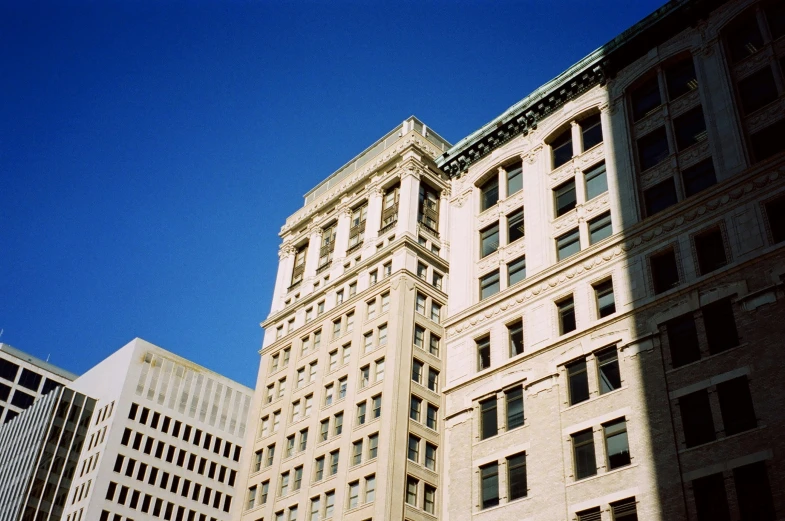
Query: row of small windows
{"type": "Point", "coordinates": [27, 379]}
{"type": "Point", "coordinates": [157, 507]}
{"type": "Point", "coordinates": [423, 412]}
{"type": "Point", "coordinates": [155, 419]}
{"type": "Point", "coordinates": [420, 494]}
{"type": "Point", "coordinates": [180, 515]}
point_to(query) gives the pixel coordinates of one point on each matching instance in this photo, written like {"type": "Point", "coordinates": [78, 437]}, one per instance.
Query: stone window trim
{"type": "Point", "coordinates": [500, 173]}
{"type": "Point", "coordinates": [503, 475]}
{"type": "Point", "coordinates": [574, 127]}
{"type": "Point", "coordinates": [501, 411]}
{"type": "Point", "coordinates": [592, 368]}
{"type": "Point", "coordinates": [720, 226]}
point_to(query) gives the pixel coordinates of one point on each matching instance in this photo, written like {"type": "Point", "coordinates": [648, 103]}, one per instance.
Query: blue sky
{"type": "Point", "coordinates": [150, 151]}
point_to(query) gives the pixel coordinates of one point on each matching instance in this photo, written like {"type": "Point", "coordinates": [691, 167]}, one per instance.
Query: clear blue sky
{"type": "Point", "coordinates": [151, 150]}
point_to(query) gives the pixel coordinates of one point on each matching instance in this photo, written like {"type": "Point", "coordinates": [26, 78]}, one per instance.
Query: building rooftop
{"type": "Point", "coordinates": [37, 362]}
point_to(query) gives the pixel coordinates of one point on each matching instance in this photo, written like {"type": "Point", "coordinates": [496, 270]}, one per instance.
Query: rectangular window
{"type": "Point", "coordinates": [710, 250]}
{"type": "Point", "coordinates": [489, 485]}
{"type": "Point", "coordinates": [436, 312]}
{"type": "Point", "coordinates": [488, 419]}
{"type": "Point", "coordinates": [429, 500]}
{"type": "Point", "coordinates": [696, 418]}
{"type": "Point", "coordinates": [768, 142]}
{"type": "Point", "coordinates": [514, 178]}
{"type": "Point", "coordinates": [578, 382]}
{"type": "Point", "coordinates": [483, 353]}
{"type": "Point", "coordinates": [318, 473]}
{"type": "Point", "coordinates": [489, 240]}
{"type": "Point", "coordinates": [564, 197]}
{"type": "Point", "coordinates": [624, 510]}
{"type": "Point", "coordinates": [433, 379]}
{"type": "Point", "coordinates": [683, 340]}
{"type": "Point", "coordinates": [711, 500]}
{"type": "Point", "coordinates": [606, 304]}
{"type": "Point", "coordinates": [516, 476]}
{"type": "Point", "coordinates": [680, 78]}
{"type": "Point", "coordinates": [379, 368]}
{"type": "Point", "coordinates": [775, 214]}
{"type": "Point", "coordinates": [431, 416]}
{"type": "Point", "coordinates": [338, 424]}
{"type": "Point", "coordinates": [430, 456]}
{"type": "Point", "coordinates": [329, 504]}
{"type": "Point", "coordinates": [738, 414]}
{"type": "Point", "coordinates": [315, 509]}
{"type": "Point", "coordinates": [436, 280]}
{"type": "Point", "coordinates": [419, 336]}
{"type": "Point", "coordinates": [515, 229]}
{"type": "Point", "coordinates": [659, 197]}
{"type": "Point", "coordinates": [664, 271]}
{"type": "Point", "coordinates": [357, 452]}
{"type": "Point", "coordinates": [616, 443]}
{"type": "Point", "coordinates": [370, 488]}
{"type": "Point", "coordinates": [415, 408]}
{"type": "Point", "coordinates": [334, 457]}
{"type": "Point", "coordinates": [698, 177]}
{"type": "Point", "coordinates": [608, 365]}
{"type": "Point", "coordinates": [411, 491]}
{"type": "Point", "coordinates": [376, 406]}
{"type": "Point", "coordinates": [600, 228]}
{"type": "Point", "coordinates": [515, 334]}
{"type": "Point", "coordinates": [489, 193]}
{"type": "Point", "coordinates": [361, 407]}
{"type": "Point", "coordinates": [645, 99]}
{"type": "Point", "coordinates": [433, 344]}
{"type": "Point", "coordinates": [413, 452]}
{"type": "Point", "coordinates": [753, 492]}
{"type": "Point", "coordinates": [720, 326]}
{"type": "Point", "coordinates": [653, 148]}
{"type": "Point", "coordinates": [513, 399]}
{"type": "Point", "coordinates": [591, 129]}
{"type": "Point", "coordinates": [354, 494]}
{"type": "Point", "coordinates": [690, 128]}
{"type": "Point", "coordinates": [422, 271]}
{"type": "Point", "coordinates": [566, 312]}
{"type": "Point", "coordinates": [373, 446]}
{"type": "Point", "coordinates": [489, 284]}
{"type": "Point", "coordinates": [596, 181]}
{"type": "Point", "coordinates": [590, 514]}
{"type": "Point", "coordinates": [417, 370]}
{"type": "Point", "coordinates": [583, 451]}
{"type": "Point", "coordinates": [561, 148]}
{"type": "Point", "coordinates": [568, 244]}
{"type": "Point", "coordinates": [757, 90]}
{"type": "Point", "coordinates": [419, 304]}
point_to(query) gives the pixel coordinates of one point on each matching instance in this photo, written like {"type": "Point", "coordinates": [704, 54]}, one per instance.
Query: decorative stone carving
{"type": "Point", "coordinates": [446, 193]}
{"type": "Point", "coordinates": [657, 173]}
{"type": "Point", "coordinates": [562, 173]}
{"type": "Point", "coordinates": [489, 261]}
{"type": "Point", "coordinates": [650, 122]}
{"type": "Point", "coordinates": [461, 199]}
{"type": "Point", "coordinates": [601, 201]}
{"type": "Point", "coordinates": [763, 118]}
{"type": "Point", "coordinates": [568, 220]}
{"type": "Point", "coordinates": [684, 103]}
{"type": "Point", "coordinates": [694, 154]}
{"type": "Point", "coordinates": [752, 63]}
{"type": "Point", "coordinates": [411, 169]}
{"type": "Point", "coordinates": [488, 216]}
{"type": "Point", "coordinates": [531, 156]}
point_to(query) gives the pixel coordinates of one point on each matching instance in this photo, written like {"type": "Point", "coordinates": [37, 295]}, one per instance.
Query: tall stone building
{"type": "Point", "coordinates": [357, 311]}
{"type": "Point", "coordinates": [607, 343]}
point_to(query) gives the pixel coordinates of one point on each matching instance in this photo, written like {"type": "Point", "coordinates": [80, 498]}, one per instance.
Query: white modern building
{"type": "Point", "coordinates": [24, 379]}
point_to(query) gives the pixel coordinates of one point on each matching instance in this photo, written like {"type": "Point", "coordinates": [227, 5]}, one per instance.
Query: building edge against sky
{"type": "Point", "coordinates": [612, 358]}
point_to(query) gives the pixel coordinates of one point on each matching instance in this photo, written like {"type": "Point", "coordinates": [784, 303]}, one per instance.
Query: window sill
{"type": "Point", "coordinates": [601, 475]}
{"type": "Point", "coordinates": [594, 398]}
{"type": "Point", "coordinates": [502, 504]}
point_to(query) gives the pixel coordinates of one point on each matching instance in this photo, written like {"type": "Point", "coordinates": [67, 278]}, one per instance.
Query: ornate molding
{"type": "Point", "coordinates": [461, 199]}
{"type": "Point", "coordinates": [446, 194]}
{"type": "Point", "coordinates": [531, 156]}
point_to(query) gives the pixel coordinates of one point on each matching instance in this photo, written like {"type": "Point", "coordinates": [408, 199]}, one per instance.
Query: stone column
{"type": "Point", "coordinates": [621, 188]}
{"type": "Point", "coordinates": [536, 201]}
{"type": "Point", "coordinates": [286, 255]}
{"type": "Point", "coordinates": [501, 175]}
{"type": "Point", "coordinates": [410, 196]}
{"type": "Point", "coordinates": [577, 138]}
{"type": "Point", "coordinates": [374, 220]}
{"type": "Point", "coordinates": [312, 258]}
{"type": "Point", "coordinates": [342, 232]}
{"type": "Point", "coordinates": [444, 222]}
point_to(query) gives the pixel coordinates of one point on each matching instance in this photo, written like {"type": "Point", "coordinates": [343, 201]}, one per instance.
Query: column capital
{"type": "Point", "coordinates": [531, 156]}
{"type": "Point", "coordinates": [286, 250]}
{"type": "Point", "coordinates": [315, 229]}
{"type": "Point", "coordinates": [412, 169]}
{"type": "Point", "coordinates": [446, 193]}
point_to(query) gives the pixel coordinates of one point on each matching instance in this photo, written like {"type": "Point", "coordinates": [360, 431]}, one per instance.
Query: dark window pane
{"type": "Point", "coordinates": [489, 284]}
{"type": "Point", "coordinates": [30, 379]}
{"type": "Point", "coordinates": [600, 228]}
{"type": "Point", "coordinates": [489, 240]}
{"type": "Point", "coordinates": [698, 177]}
{"type": "Point", "coordinates": [5, 391]}
{"type": "Point", "coordinates": [757, 90]}
{"type": "Point", "coordinates": [653, 148]}
{"type": "Point", "coordinates": [565, 197]}
{"type": "Point", "coordinates": [590, 514]}
{"type": "Point", "coordinates": [711, 251]}
{"type": "Point", "coordinates": [711, 500]}
{"type": "Point", "coordinates": [515, 331]}
{"type": "Point", "coordinates": [483, 353]}
{"type": "Point", "coordinates": [754, 492]}
{"type": "Point", "coordinates": [22, 400]}
{"type": "Point", "coordinates": [680, 78]}
{"type": "Point", "coordinates": [768, 142]}
{"type": "Point", "coordinates": [562, 148]}
{"type": "Point", "coordinates": [514, 399]}
{"type": "Point", "coordinates": [610, 378]}
{"type": "Point", "coordinates": [645, 99]}
{"type": "Point", "coordinates": [516, 271]}
{"type": "Point", "coordinates": [489, 193]}
{"type": "Point", "coordinates": [488, 419]}
{"type": "Point", "coordinates": [683, 340]}
{"type": "Point", "coordinates": [514, 178]}
{"type": "Point", "coordinates": [596, 181]}
{"type": "Point", "coordinates": [690, 128]}
{"type": "Point", "coordinates": [617, 444]}
{"type": "Point", "coordinates": [744, 37]}
{"type": "Point", "coordinates": [516, 476]}
{"type": "Point", "coordinates": [591, 128]}
{"type": "Point", "coordinates": [606, 304]}
{"type": "Point", "coordinates": [625, 510]}
{"type": "Point", "coordinates": [720, 326]}
{"type": "Point", "coordinates": [49, 385]}
{"type": "Point", "coordinates": [578, 382]}
{"type": "Point", "coordinates": [775, 14]}
{"type": "Point", "coordinates": [696, 418]}
{"type": "Point", "coordinates": [489, 486]}
{"type": "Point", "coordinates": [738, 414]}
{"type": "Point", "coordinates": [515, 226]}
{"type": "Point", "coordinates": [775, 212]}
{"type": "Point", "coordinates": [664, 271]}
{"type": "Point", "coordinates": [583, 450]}
{"type": "Point", "coordinates": [660, 196]}
{"type": "Point", "coordinates": [8, 370]}
{"type": "Point", "coordinates": [568, 244]}
{"type": "Point", "coordinates": [566, 310]}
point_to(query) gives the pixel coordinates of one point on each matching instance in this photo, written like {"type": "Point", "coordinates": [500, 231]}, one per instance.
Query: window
{"type": "Point", "coordinates": [600, 228]}
{"type": "Point", "coordinates": [515, 229]}
{"type": "Point", "coordinates": [566, 311]}
{"type": "Point", "coordinates": [365, 376]}
{"type": "Point", "coordinates": [488, 418]}
{"type": "Point", "coordinates": [483, 353]}
{"type": "Point", "coordinates": [753, 492]}
{"type": "Point", "coordinates": [606, 304]}
{"type": "Point", "coordinates": [653, 148]}
{"type": "Point", "coordinates": [349, 322]}
{"type": "Point", "coordinates": [336, 328]}
{"type": "Point", "coordinates": [429, 500]}
{"type": "Point", "coordinates": [596, 181]}
{"type": "Point", "coordinates": [373, 277]}
{"type": "Point", "coordinates": [329, 504]}
{"type": "Point", "coordinates": [370, 488]}
{"type": "Point", "coordinates": [561, 148]}
{"type": "Point", "coordinates": [436, 312]}
{"type": "Point", "coordinates": [249, 504]}
{"type": "Point", "coordinates": [710, 250]}
{"type": "Point", "coordinates": [433, 344]}
{"type": "Point", "coordinates": [590, 514]}
{"type": "Point", "coordinates": [564, 197]}
{"type": "Point", "coordinates": [334, 457]}
{"type": "Point", "coordinates": [376, 406]}
{"type": "Point", "coordinates": [711, 500]}
{"type": "Point", "coordinates": [413, 452]}
{"type": "Point", "coordinates": [357, 452]}
{"type": "Point", "coordinates": [591, 130]}
{"type": "Point", "coordinates": [645, 99]}
{"type": "Point", "coordinates": [624, 510]}
{"type": "Point", "coordinates": [698, 177]}
{"type": "Point", "coordinates": [515, 334]}
{"type": "Point", "coordinates": [516, 271]}
{"type": "Point", "coordinates": [578, 382]}
{"type": "Point", "coordinates": [318, 469]}
{"type": "Point", "coordinates": [415, 408]}
{"type": "Point", "coordinates": [659, 197]}
{"type": "Point", "coordinates": [431, 416]}
{"type": "Point", "coordinates": [696, 418]}
{"type": "Point", "coordinates": [683, 340]}
{"type": "Point", "coordinates": [315, 508]}
{"type": "Point", "coordinates": [489, 485]}
{"type": "Point", "coordinates": [514, 178]}
{"type": "Point", "coordinates": [489, 193]}
{"type": "Point", "coordinates": [420, 303]}
{"type": "Point", "coordinates": [757, 90]}
{"type": "Point", "coordinates": [516, 477]}
{"type": "Point", "coordinates": [299, 266]}
{"type": "Point", "coordinates": [417, 370]}
{"type": "Point", "coordinates": [568, 244]}
{"type": "Point", "coordinates": [370, 309]}
{"type": "Point", "coordinates": [257, 461]}
{"type": "Point", "coordinates": [690, 128]}
{"type": "Point", "coordinates": [583, 451]}
{"type": "Point", "coordinates": [433, 379]}
{"type": "Point", "coordinates": [608, 365]}
{"type": "Point", "coordinates": [489, 240]}
{"type": "Point", "coordinates": [373, 446]}
{"type": "Point", "coordinates": [354, 494]}
{"type": "Point", "coordinates": [664, 271]}
{"type": "Point", "coordinates": [338, 424]}
{"type": "Point", "coordinates": [430, 456]}
{"type": "Point", "coordinates": [319, 308]}
{"type": "Point", "coordinates": [514, 404]}
{"type": "Point", "coordinates": [616, 444]}
{"type": "Point", "coordinates": [411, 490]}
{"type": "Point", "coordinates": [284, 485]}
{"type": "Point", "coordinates": [720, 325]}
{"type": "Point", "coordinates": [379, 368]}
{"type": "Point", "coordinates": [436, 280]}
{"type": "Point", "coordinates": [489, 284]}
{"type": "Point", "coordinates": [303, 439]}
{"type": "Point", "coordinates": [328, 394]}
{"type": "Point", "coordinates": [736, 407]}
{"type": "Point", "coordinates": [387, 270]}
{"type": "Point", "coordinates": [383, 335]}
{"type": "Point", "coordinates": [428, 207]}
{"type": "Point", "coordinates": [361, 407]}
{"type": "Point", "coordinates": [767, 142]}
{"type": "Point", "coordinates": [422, 271]}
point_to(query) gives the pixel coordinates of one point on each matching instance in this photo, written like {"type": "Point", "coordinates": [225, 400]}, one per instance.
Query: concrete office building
{"type": "Point", "coordinates": [24, 379]}
{"type": "Point", "coordinates": [164, 442]}
{"type": "Point", "coordinates": [357, 309]}
{"type": "Point", "coordinates": [621, 357]}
